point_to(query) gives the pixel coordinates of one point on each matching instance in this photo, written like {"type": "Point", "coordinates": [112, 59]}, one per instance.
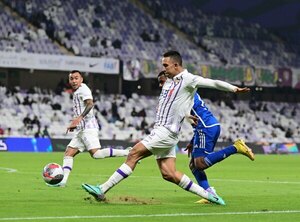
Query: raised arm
{"type": "Point", "coordinates": [218, 84]}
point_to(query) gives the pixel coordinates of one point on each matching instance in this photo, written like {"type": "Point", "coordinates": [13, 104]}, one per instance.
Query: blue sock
{"type": "Point", "coordinates": [220, 155]}
{"type": "Point", "coordinates": [201, 178]}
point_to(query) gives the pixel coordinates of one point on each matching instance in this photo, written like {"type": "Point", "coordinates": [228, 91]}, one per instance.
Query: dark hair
{"type": "Point", "coordinates": [161, 73]}
{"type": "Point", "coordinates": [74, 71]}
{"type": "Point", "coordinates": [174, 55]}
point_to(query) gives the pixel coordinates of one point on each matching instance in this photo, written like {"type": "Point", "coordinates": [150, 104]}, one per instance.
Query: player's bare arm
{"type": "Point", "coordinates": [242, 90]}
{"type": "Point", "coordinates": [88, 106]}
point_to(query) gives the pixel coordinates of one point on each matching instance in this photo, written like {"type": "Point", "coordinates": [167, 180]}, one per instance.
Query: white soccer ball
{"type": "Point", "coordinates": [53, 173]}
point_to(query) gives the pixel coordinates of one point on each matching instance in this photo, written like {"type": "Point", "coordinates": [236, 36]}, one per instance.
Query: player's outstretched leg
{"type": "Point", "coordinates": [95, 191]}
{"type": "Point", "coordinates": [187, 184]}
{"type": "Point", "coordinates": [215, 198]}
{"type": "Point", "coordinates": [243, 149]}
{"type": "Point", "coordinates": [205, 201]}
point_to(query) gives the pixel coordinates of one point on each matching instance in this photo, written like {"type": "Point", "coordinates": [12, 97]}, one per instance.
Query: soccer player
{"type": "Point", "coordinates": [85, 126]}
{"type": "Point", "coordinates": [175, 101]}
{"type": "Point", "coordinates": [206, 133]}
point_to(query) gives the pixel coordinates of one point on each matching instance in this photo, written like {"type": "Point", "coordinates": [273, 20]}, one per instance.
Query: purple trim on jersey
{"type": "Point", "coordinates": [122, 173]}
{"type": "Point", "coordinates": [80, 111]}
{"type": "Point", "coordinates": [173, 101]}
{"type": "Point", "coordinates": [189, 185]}
{"type": "Point", "coordinates": [67, 168]}
{"type": "Point", "coordinates": [181, 122]}
{"type": "Point", "coordinates": [110, 152]}
{"type": "Point", "coordinates": [83, 121]}
{"type": "Point", "coordinates": [161, 111]}
{"type": "Point", "coordinates": [75, 105]}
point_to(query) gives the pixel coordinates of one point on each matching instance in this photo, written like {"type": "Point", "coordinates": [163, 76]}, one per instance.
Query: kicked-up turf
{"type": "Point", "coordinates": [267, 189]}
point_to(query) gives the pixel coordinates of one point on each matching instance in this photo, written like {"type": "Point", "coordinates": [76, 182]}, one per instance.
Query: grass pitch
{"type": "Point", "coordinates": [267, 189]}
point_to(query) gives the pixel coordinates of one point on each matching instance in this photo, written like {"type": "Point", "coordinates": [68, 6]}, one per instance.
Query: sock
{"type": "Point", "coordinates": [67, 167]}
{"type": "Point", "coordinates": [211, 190]}
{"type": "Point", "coordinates": [123, 172]}
{"type": "Point", "coordinates": [220, 155]}
{"type": "Point", "coordinates": [187, 184]}
{"type": "Point", "coordinates": [201, 178]}
{"type": "Point", "coordinates": [109, 152]}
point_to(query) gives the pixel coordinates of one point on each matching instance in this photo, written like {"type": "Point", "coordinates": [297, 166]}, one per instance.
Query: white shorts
{"type": "Point", "coordinates": [85, 139]}
{"type": "Point", "coordinates": [161, 142]}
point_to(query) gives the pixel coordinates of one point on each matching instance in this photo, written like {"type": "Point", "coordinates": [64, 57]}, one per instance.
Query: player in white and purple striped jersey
{"type": "Point", "coordinates": [206, 133]}
{"type": "Point", "coordinates": [85, 127]}
{"type": "Point", "coordinates": [175, 102]}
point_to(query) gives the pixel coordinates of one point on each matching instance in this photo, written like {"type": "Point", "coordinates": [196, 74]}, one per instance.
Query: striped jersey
{"type": "Point", "coordinates": [177, 98]}
{"type": "Point", "coordinates": [205, 118]}
{"type": "Point", "coordinates": [79, 96]}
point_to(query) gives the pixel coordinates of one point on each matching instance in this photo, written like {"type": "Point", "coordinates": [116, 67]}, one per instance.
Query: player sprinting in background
{"type": "Point", "coordinates": [175, 100]}
{"type": "Point", "coordinates": [85, 126]}
{"type": "Point", "coordinates": [206, 133]}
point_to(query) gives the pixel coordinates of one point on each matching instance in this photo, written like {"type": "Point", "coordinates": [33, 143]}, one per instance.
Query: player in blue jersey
{"type": "Point", "coordinates": [206, 133]}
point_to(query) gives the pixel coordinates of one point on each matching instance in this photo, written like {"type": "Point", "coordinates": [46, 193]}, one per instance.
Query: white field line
{"type": "Point", "coordinates": [9, 170]}
{"type": "Point", "coordinates": [152, 215]}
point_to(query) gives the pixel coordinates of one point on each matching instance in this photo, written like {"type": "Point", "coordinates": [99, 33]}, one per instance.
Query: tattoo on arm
{"type": "Point", "coordinates": [89, 105]}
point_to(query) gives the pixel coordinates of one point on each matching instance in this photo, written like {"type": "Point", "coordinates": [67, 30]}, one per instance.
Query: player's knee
{"type": "Point", "coordinates": [71, 152]}
{"type": "Point", "coordinates": [200, 163]}
{"type": "Point", "coordinates": [97, 155]}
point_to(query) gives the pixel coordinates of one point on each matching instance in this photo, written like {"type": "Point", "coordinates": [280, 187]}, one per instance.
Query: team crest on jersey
{"type": "Point", "coordinates": [176, 81]}
{"type": "Point", "coordinates": [164, 93]}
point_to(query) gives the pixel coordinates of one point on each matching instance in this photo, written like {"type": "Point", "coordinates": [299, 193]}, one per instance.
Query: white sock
{"type": "Point", "coordinates": [67, 167]}
{"type": "Point", "coordinates": [109, 152]}
{"type": "Point", "coordinates": [120, 174]}
{"type": "Point", "coordinates": [187, 184]}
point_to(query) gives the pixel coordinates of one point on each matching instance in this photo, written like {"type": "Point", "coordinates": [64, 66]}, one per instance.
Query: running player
{"type": "Point", "coordinates": [85, 126]}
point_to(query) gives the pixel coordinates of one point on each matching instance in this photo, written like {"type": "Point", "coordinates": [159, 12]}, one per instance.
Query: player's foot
{"type": "Point", "coordinates": [215, 199]}
{"type": "Point", "coordinates": [212, 191]}
{"type": "Point", "coordinates": [56, 185]}
{"type": "Point", "coordinates": [203, 201]}
{"type": "Point", "coordinates": [95, 191]}
{"type": "Point", "coordinates": [242, 148]}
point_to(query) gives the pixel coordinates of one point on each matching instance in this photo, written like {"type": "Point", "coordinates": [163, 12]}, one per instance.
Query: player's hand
{"type": "Point", "coordinates": [189, 148]}
{"type": "Point", "coordinates": [242, 90]}
{"type": "Point", "coordinates": [74, 124]}
{"type": "Point", "coordinates": [193, 120]}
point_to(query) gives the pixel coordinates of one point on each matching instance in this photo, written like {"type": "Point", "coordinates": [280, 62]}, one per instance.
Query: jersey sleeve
{"type": "Point", "coordinates": [200, 82]}
{"type": "Point", "coordinates": [86, 93]}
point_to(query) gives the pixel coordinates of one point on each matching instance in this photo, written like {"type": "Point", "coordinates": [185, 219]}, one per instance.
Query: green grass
{"type": "Point", "coordinates": [267, 189]}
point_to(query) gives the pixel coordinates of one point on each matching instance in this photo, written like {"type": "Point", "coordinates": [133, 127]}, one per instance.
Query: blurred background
{"type": "Point", "coordinates": [118, 46]}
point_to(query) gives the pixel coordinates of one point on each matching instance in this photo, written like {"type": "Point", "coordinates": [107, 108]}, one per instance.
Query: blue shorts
{"type": "Point", "coordinates": [205, 140]}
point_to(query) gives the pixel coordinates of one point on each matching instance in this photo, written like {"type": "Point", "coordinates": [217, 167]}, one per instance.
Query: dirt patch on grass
{"type": "Point", "coordinates": [124, 200]}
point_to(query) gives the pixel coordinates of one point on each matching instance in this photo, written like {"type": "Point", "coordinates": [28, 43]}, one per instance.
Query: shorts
{"type": "Point", "coordinates": [85, 139]}
{"type": "Point", "coordinates": [205, 140]}
{"type": "Point", "coordinates": [161, 142]}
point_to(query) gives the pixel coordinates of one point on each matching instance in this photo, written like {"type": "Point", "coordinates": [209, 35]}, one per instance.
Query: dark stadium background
{"type": "Point", "coordinates": [280, 19]}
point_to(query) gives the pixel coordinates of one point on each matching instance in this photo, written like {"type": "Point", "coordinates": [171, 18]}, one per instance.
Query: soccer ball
{"type": "Point", "coordinates": [53, 173]}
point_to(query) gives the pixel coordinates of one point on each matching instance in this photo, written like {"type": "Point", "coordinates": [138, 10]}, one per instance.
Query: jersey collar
{"type": "Point", "coordinates": [178, 76]}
